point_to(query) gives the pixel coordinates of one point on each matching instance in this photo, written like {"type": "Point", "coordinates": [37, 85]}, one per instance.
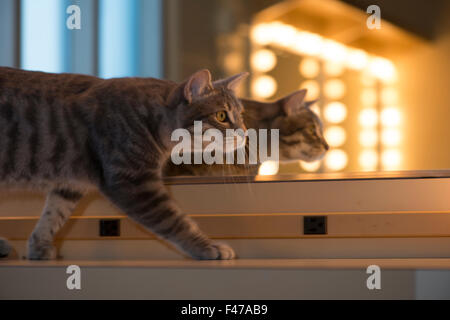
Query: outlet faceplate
{"type": "Point", "coordinates": [109, 228]}
{"type": "Point", "coordinates": [314, 225]}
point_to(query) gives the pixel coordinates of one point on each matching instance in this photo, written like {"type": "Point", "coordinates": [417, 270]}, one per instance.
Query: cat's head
{"type": "Point", "coordinates": [301, 130]}
{"type": "Point", "coordinates": [214, 104]}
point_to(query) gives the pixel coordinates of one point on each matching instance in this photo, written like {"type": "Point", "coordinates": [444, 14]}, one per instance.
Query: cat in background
{"type": "Point", "coordinates": [300, 135]}
{"type": "Point", "coordinates": [72, 133]}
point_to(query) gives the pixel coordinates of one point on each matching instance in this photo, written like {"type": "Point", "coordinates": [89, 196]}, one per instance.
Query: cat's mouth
{"type": "Point", "coordinates": [227, 144]}
{"type": "Point", "coordinates": [317, 154]}
{"type": "Point", "coordinates": [231, 144]}
{"type": "Point", "coordinates": [320, 156]}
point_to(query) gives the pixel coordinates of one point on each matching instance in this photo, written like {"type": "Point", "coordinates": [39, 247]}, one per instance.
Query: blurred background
{"type": "Point", "coordinates": [383, 94]}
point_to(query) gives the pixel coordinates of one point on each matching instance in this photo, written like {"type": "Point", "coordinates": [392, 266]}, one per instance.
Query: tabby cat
{"type": "Point", "coordinates": [300, 135]}
{"type": "Point", "coordinates": [70, 133]}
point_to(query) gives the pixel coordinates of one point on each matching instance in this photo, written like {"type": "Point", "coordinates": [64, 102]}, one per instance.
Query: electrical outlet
{"type": "Point", "coordinates": [315, 225]}
{"type": "Point", "coordinates": [109, 228]}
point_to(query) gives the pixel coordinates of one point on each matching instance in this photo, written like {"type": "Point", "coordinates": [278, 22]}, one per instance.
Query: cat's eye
{"type": "Point", "coordinates": [310, 131]}
{"type": "Point", "coordinates": [221, 116]}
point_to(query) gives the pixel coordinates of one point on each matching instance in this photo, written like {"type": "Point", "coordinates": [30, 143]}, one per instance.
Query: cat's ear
{"type": "Point", "coordinates": [293, 102]}
{"type": "Point", "coordinates": [232, 82]}
{"type": "Point", "coordinates": [197, 85]}
{"type": "Point", "coordinates": [308, 104]}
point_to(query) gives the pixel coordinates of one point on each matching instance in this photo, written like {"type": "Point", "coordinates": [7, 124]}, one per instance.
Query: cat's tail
{"type": "Point", "coordinates": [5, 247]}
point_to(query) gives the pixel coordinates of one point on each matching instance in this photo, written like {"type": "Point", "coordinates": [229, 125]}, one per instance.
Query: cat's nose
{"type": "Point", "coordinates": [326, 146]}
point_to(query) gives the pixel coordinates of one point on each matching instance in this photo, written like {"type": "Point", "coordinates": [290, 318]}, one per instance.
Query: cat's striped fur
{"type": "Point", "coordinates": [69, 133]}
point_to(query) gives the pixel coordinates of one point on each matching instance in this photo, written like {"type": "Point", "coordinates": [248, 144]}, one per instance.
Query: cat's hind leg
{"type": "Point", "coordinates": [59, 206]}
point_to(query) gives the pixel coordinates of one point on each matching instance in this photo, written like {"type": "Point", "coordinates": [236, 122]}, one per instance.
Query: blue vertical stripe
{"type": "Point", "coordinates": [150, 39]}
{"type": "Point", "coordinates": [118, 38]}
{"type": "Point", "coordinates": [82, 44]}
{"type": "Point", "coordinates": [8, 33]}
{"type": "Point", "coordinates": [129, 37]}
{"type": "Point", "coordinates": [42, 35]}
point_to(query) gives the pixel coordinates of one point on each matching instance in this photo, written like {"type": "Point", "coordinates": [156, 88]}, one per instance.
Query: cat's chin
{"type": "Point", "coordinates": [316, 158]}
{"type": "Point", "coordinates": [302, 157]}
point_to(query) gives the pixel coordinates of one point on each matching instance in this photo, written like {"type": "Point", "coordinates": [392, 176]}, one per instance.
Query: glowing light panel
{"type": "Point", "coordinates": [118, 30]}
{"type": "Point", "coordinates": [42, 31]}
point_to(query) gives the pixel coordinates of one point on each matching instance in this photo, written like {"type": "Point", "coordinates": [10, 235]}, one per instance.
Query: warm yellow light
{"type": "Point", "coordinates": [390, 117]}
{"type": "Point", "coordinates": [357, 59]}
{"type": "Point", "coordinates": [334, 89]}
{"type": "Point", "coordinates": [264, 86]}
{"type": "Point", "coordinates": [310, 166]}
{"type": "Point", "coordinates": [391, 137]}
{"type": "Point", "coordinates": [368, 117]}
{"type": "Point", "coordinates": [367, 79]}
{"type": "Point", "coordinates": [262, 33]}
{"type": "Point", "coordinates": [335, 112]}
{"type": "Point", "coordinates": [312, 87]}
{"type": "Point", "coordinates": [368, 138]}
{"type": "Point", "coordinates": [315, 108]}
{"type": "Point", "coordinates": [286, 35]}
{"type": "Point", "coordinates": [309, 68]}
{"type": "Point", "coordinates": [336, 159]}
{"type": "Point", "coordinates": [335, 136]}
{"type": "Point", "coordinates": [333, 69]}
{"type": "Point", "coordinates": [389, 96]}
{"type": "Point", "coordinates": [268, 168]}
{"type": "Point", "coordinates": [368, 160]}
{"type": "Point", "coordinates": [383, 69]}
{"type": "Point", "coordinates": [308, 43]}
{"type": "Point", "coordinates": [334, 51]}
{"type": "Point", "coordinates": [263, 60]}
{"type": "Point", "coordinates": [368, 97]}
{"type": "Point", "coordinates": [391, 159]}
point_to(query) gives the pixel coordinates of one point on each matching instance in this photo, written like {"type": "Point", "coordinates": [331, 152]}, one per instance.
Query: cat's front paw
{"type": "Point", "coordinates": [217, 251]}
{"type": "Point", "coordinates": [5, 248]}
{"type": "Point", "coordinates": [43, 252]}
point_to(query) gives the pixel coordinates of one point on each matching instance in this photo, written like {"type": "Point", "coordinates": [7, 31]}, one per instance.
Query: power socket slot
{"type": "Point", "coordinates": [109, 228]}
{"type": "Point", "coordinates": [314, 225]}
